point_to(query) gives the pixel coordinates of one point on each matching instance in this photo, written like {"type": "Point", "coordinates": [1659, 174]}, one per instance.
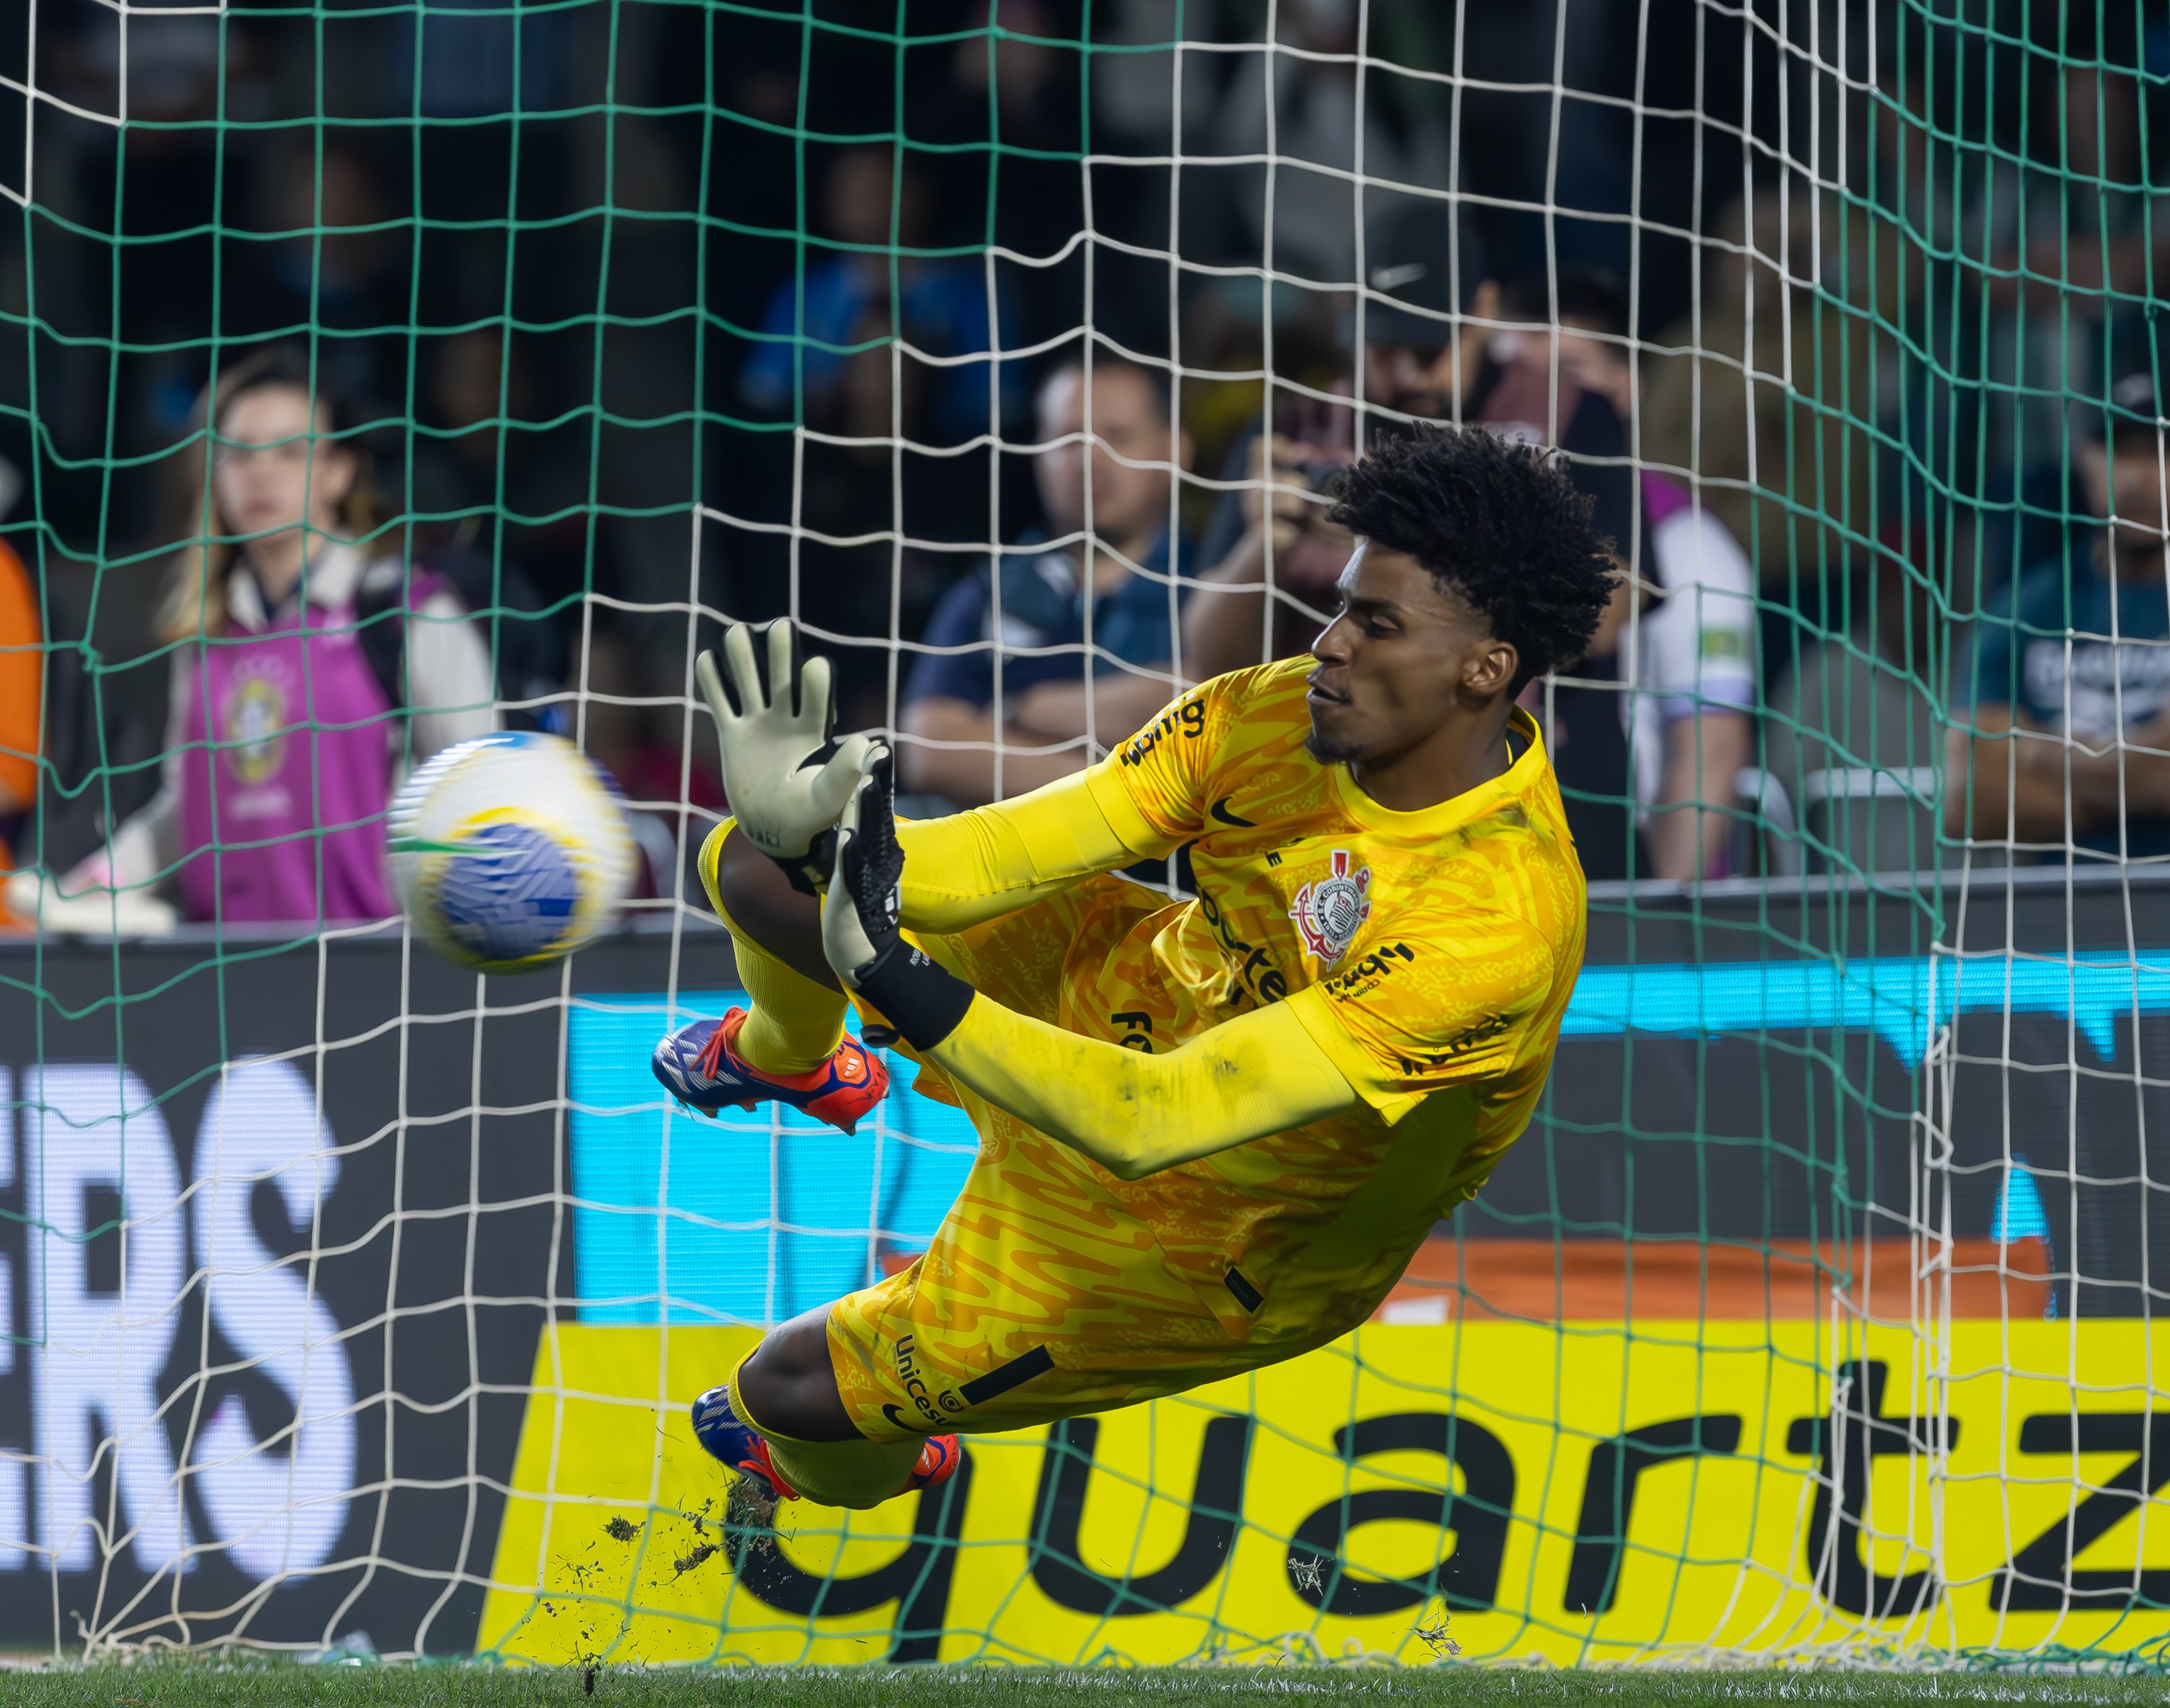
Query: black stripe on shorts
{"type": "Point", "coordinates": [1246, 1295]}
{"type": "Point", "coordinates": [1002, 1378]}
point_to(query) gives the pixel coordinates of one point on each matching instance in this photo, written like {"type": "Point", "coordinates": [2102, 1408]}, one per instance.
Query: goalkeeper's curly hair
{"type": "Point", "coordinates": [1498, 522]}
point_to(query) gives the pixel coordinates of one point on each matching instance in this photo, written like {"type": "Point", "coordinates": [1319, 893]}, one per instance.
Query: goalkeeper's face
{"type": "Point", "coordinates": [1405, 663]}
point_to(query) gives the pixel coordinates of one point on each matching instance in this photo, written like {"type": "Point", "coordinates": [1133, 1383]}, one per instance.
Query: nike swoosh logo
{"type": "Point", "coordinates": [1220, 813]}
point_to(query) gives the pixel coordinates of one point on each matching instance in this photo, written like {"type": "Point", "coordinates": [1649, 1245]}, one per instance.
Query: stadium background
{"type": "Point", "coordinates": [1815, 1315]}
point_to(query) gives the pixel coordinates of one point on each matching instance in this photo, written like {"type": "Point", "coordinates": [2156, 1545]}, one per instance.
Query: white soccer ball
{"type": "Point", "coordinates": [510, 851]}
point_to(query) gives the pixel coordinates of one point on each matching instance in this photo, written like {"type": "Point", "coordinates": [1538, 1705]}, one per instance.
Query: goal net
{"type": "Point", "coordinates": [352, 1302]}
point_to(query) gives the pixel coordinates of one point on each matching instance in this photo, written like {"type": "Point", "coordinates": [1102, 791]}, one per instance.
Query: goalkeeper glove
{"type": "Point", "coordinates": [785, 779]}
{"type": "Point", "coordinates": [924, 1001]}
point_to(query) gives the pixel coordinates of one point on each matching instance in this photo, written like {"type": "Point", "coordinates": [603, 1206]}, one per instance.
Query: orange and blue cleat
{"type": "Point", "coordinates": [740, 1446]}
{"type": "Point", "coordinates": [938, 1463]}
{"type": "Point", "coordinates": [699, 1067]}
{"type": "Point", "coordinates": [718, 1428]}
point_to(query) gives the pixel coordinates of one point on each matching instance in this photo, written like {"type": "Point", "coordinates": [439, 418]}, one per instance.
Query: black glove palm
{"type": "Point", "coordinates": [859, 930]}
{"type": "Point", "coordinates": [859, 925]}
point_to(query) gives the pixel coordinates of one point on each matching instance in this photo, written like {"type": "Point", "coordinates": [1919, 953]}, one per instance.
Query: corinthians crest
{"type": "Point", "coordinates": [1330, 911]}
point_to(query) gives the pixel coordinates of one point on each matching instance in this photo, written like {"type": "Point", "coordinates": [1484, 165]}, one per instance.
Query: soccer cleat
{"type": "Point", "coordinates": [699, 1067]}
{"type": "Point", "coordinates": [938, 1463]}
{"type": "Point", "coordinates": [739, 1445]}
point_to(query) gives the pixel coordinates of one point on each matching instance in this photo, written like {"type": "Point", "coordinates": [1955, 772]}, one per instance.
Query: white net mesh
{"type": "Point", "coordinates": [352, 1299]}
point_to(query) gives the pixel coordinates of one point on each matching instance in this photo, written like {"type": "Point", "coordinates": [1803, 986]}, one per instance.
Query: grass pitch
{"type": "Point", "coordinates": [204, 1684]}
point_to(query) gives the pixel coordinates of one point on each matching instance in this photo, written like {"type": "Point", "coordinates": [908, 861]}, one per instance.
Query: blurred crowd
{"type": "Point", "coordinates": [514, 350]}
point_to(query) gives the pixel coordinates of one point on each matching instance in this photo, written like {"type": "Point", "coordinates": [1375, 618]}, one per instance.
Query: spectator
{"type": "Point", "coordinates": [1650, 730]}
{"type": "Point", "coordinates": [288, 728]}
{"type": "Point", "coordinates": [1757, 395]}
{"type": "Point", "coordinates": [22, 692]}
{"type": "Point", "coordinates": [1430, 320]}
{"type": "Point", "coordinates": [2057, 291]}
{"type": "Point", "coordinates": [2066, 745]}
{"type": "Point", "coordinates": [1429, 307]}
{"type": "Point", "coordinates": [1035, 653]}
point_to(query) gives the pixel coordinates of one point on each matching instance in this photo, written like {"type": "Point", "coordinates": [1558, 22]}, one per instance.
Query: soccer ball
{"type": "Point", "coordinates": [510, 851]}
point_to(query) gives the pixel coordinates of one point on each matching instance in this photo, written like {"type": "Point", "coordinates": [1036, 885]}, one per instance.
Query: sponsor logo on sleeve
{"type": "Point", "coordinates": [1463, 1044]}
{"type": "Point", "coordinates": [1186, 718]}
{"type": "Point", "coordinates": [1370, 972]}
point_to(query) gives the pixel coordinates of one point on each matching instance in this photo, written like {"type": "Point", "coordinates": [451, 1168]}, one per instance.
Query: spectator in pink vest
{"type": "Point", "coordinates": [285, 743]}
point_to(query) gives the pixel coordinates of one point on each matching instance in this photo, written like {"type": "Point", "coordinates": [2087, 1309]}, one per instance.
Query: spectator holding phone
{"type": "Point", "coordinates": [1430, 317]}
{"type": "Point", "coordinates": [1429, 308]}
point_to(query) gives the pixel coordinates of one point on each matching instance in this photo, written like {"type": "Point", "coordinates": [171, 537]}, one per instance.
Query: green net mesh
{"type": "Point", "coordinates": [494, 356]}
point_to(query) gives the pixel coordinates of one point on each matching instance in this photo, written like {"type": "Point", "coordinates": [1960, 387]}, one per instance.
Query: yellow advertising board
{"type": "Point", "coordinates": [1580, 1491]}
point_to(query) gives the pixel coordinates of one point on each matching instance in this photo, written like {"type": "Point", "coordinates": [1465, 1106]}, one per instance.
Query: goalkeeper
{"type": "Point", "coordinates": [1213, 1132]}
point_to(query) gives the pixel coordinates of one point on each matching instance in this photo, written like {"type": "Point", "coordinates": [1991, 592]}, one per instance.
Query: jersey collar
{"type": "Point", "coordinates": [1472, 804]}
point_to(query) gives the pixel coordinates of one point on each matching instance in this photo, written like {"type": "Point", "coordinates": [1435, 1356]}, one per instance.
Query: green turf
{"type": "Point", "coordinates": [172, 1684]}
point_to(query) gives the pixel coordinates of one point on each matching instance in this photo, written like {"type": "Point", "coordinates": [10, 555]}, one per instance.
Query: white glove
{"type": "Point", "coordinates": [785, 782]}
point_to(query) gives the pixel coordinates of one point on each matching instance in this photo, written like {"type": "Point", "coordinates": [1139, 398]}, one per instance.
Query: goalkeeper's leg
{"type": "Point", "coordinates": [1026, 1317]}
{"type": "Point", "coordinates": [779, 1418]}
{"type": "Point", "coordinates": [782, 926]}
{"type": "Point", "coordinates": [790, 1046]}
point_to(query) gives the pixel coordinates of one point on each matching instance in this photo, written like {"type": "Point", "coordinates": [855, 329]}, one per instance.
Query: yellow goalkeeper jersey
{"type": "Point", "coordinates": [1441, 946]}
{"type": "Point", "coordinates": [1431, 955]}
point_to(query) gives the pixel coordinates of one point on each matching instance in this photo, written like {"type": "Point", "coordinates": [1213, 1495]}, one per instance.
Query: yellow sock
{"type": "Point", "coordinates": [856, 1474]}
{"type": "Point", "coordinates": [794, 1024]}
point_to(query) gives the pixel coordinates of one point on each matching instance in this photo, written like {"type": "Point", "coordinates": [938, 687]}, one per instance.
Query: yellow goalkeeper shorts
{"type": "Point", "coordinates": [1042, 1296]}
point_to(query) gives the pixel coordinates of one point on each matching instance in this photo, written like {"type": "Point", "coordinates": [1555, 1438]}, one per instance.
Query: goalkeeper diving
{"type": "Point", "coordinates": [1213, 1132]}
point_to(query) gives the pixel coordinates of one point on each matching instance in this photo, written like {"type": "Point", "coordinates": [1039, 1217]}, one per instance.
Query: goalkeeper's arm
{"type": "Point", "coordinates": [1133, 1113]}
{"type": "Point", "coordinates": [992, 860]}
